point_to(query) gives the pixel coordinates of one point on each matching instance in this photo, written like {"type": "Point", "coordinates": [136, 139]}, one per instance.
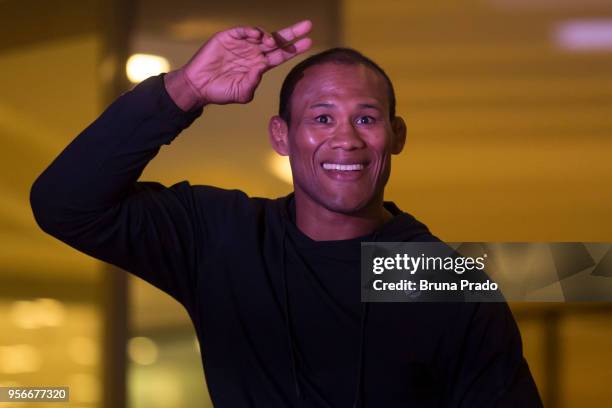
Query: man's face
{"type": "Point", "coordinates": [341, 138]}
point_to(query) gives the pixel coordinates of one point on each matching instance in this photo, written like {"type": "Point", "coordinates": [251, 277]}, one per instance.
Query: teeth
{"type": "Point", "coordinates": [342, 167]}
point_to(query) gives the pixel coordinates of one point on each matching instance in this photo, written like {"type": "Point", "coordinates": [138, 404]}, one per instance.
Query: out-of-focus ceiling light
{"type": "Point", "coordinates": [280, 167]}
{"type": "Point", "coordinates": [52, 312]}
{"type": "Point", "coordinates": [142, 350]}
{"type": "Point", "coordinates": [584, 35]}
{"type": "Point", "coordinates": [34, 314]}
{"type": "Point", "coordinates": [538, 5]}
{"type": "Point", "coordinates": [141, 66]}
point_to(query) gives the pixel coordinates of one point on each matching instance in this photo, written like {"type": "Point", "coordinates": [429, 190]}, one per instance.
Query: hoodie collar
{"type": "Point", "coordinates": [401, 228]}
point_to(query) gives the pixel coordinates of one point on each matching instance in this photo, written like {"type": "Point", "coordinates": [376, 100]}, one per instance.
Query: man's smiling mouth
{"type": "Point", "coordinates": [343, 167]}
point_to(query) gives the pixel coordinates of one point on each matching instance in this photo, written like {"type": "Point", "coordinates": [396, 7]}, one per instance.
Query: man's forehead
{"type": "Point", "coordinates": [338, 80]}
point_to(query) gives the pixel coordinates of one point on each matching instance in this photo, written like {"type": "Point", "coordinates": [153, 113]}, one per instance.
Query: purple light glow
{"type": "Point", "coordinates": [584, 35]}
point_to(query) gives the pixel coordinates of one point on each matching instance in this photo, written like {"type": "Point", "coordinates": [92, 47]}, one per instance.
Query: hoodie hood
{"type": "Point", "coordinates": [403, 227]}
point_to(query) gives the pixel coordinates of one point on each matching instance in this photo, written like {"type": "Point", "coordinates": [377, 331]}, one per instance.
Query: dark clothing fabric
{"type": "Point", "coordinates": [278, 315]}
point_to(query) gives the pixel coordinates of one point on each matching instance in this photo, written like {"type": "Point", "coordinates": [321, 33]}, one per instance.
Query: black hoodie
{"type": "Point", "coordinates": [278, 315]}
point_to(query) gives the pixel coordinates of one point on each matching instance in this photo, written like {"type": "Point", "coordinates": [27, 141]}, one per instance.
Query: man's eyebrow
{"type": "Point", "coordinates": [369, 105]}
{"type": "Point", "coordinates": [322, 105]}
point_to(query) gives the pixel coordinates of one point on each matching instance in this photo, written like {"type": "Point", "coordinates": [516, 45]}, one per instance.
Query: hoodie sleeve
{"type": "Point", "coordinates": [89, 196]}
{"type": "Point", "coordinates": [485, 366]}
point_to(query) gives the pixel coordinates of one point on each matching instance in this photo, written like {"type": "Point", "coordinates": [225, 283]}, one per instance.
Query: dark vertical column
{"type": "Point", "coordinates": [115, 21]}
{"type": "Point", "coordinates": [552, 359]}
{"type": "Point", "coordinates": [115, 18]}
{"type": "Point", "coordinates": [114, 302]}
{"type": "Point", "coordinates": [336, 24]}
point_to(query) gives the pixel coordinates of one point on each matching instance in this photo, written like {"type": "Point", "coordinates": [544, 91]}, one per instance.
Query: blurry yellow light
{"type": "Point", "coordinates": [141, 66]}
{"type": "Point", "coordinates": [20, 358]}
{"type": "Point", "coordinates": [280, 167]}
{"type": "Point", "coordinates": [50, 311]}
{"type": "Point", "coordinates": [42, 312]}
{"type": "Point", "coordinates": [142, 350]}
{"type": "Point", "coordinates": [23, 314]}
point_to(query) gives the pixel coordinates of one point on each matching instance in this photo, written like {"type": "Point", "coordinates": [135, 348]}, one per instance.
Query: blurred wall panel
{"type": "Point", "coordinates": [509, 130]}
{"type": "Point", "coordinates": [59, 61]}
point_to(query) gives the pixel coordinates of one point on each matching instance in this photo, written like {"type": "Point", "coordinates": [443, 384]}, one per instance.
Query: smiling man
{"type": "Point", "coordinates": [338, 132]}
{"type": "Point", "coordinates": [337, 126]}
{"type": "Point", "coordinates": [273, 285]}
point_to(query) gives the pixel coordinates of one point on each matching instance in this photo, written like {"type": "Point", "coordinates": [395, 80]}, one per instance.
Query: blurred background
{"type": "Point", "coordinates": [509, 111]}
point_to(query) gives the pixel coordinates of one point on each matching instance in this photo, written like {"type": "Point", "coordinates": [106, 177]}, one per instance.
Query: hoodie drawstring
{"type": "Point", "coordinates": [359, 390]}
{"type": "Point", "coordinates": [361, 370]}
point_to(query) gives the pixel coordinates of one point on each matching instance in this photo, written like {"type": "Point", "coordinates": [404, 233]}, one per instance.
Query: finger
{"type": "Point", "coordinates": [281, 55]}
{"type": "Point", "coordinates": [293, 32]}
{"type": "Point", "coordinates": [241, 33]}
{"type": "Point", "coordinates": [283, 38]}
{"type": "Point", "coordinates": [268, 43]}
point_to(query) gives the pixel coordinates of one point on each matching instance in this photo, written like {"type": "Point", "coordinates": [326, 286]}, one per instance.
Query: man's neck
{"type": "Point", "coordinates": [322, 224]}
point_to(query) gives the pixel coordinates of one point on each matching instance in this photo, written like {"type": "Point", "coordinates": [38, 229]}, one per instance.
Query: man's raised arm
{"type": "Point", "coordinates": [89, 196]}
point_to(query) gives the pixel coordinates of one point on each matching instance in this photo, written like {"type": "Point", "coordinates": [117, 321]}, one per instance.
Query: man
{"type": "Point", "coordinates": [273, 286]}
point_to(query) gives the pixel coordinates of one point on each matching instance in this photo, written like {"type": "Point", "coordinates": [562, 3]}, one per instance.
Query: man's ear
{"type": "Point", "coordinates": [399, 133]}
{"type": "Point", "coordinates": [278, 132]}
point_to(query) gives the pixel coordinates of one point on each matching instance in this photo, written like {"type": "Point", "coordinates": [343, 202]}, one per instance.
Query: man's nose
{"type": "Point", "coordinates": [347, 137]}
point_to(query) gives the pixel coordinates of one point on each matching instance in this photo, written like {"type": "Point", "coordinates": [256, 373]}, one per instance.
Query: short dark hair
{"type": "Point", "coordinates": [346, 56]}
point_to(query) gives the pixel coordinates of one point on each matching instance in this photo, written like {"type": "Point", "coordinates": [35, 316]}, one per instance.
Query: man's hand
{"type": "Point", "coordinates": [229, 66]}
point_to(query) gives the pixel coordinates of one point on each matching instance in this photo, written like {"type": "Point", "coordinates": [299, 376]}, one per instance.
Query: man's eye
{"type": "Point", "coordinates": [323, 119]}
{"type": "Point", "coordinates": [365, 120]}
